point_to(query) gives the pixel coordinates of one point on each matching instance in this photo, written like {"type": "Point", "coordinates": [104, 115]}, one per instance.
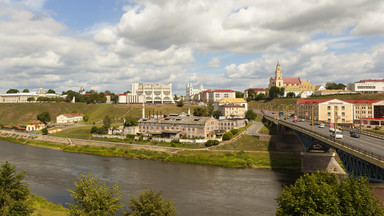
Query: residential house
{"type": "Point", "coordinates": [35, 126]}
{"type": "Point", "coordinates": [69, 118]}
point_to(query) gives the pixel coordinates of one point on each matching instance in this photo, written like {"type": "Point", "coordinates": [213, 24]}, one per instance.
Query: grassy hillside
{"type": "Point", "coordinates": [21, 114]}
{"type": "Point", "coordinates": [275, 103]}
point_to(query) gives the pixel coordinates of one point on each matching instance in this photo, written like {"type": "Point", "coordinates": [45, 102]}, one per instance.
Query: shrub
{"type": "Point", "coordinates": [234, 131]}
{"type": "Point", "coordinates": [227, 136]}
{"type": "Point", "coordinates": [93, 129]}
{"type": "Point", "coordinates": [44, 131]}
{"type": "Point", "coordinates": [210, 143]}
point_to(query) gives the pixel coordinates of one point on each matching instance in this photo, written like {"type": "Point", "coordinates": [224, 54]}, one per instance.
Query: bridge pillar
{"type": "Point", "coordinates": [316, 161]}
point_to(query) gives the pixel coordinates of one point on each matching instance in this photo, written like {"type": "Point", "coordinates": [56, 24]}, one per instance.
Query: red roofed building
{"type": "Point", "coordinates": [69, 118]}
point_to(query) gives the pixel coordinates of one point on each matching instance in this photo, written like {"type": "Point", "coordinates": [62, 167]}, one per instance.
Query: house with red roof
{"type": "Point", "coordinates": [69, 118]}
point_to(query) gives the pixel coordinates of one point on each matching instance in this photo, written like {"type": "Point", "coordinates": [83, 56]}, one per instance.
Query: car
{"type": "Point", "coordinates": [354, 134]}
{"type": "Point", "coordinates": [301, 120]}
{"type": "Point", "coordinates": [294, 121]}
{"type": "Point", "coordinates": [317, 123]}
{"type": "Point", "coordinates": [339, 134]}
{"type": "Point", "coordinates": [321, 125]}
{"type": "Point", "coordinates": [332, 129]}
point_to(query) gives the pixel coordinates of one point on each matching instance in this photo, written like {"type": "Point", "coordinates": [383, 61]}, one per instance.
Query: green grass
{"type": "Point", "coordinates": [83, 132]}
{"type": "Point", "coordinates": [245, 143]}
{"type": "Point", "coordinates": [44, 208]}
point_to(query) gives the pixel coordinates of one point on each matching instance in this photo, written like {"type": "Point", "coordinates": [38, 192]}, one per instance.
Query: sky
{"type": "Point", "coordinates": [227, 44]}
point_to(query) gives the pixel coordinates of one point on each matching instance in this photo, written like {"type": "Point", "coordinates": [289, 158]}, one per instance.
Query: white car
{"type": "Point", "coordinates": [321, 125]}
{"type": "Point", "coordinates": [339, 134]}
{"type": "Point", "coordinates": [331, 129]}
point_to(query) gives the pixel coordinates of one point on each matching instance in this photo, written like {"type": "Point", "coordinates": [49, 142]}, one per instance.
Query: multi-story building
{"type": "Point", "coordinates": [214, 95]}
{"type": "Point", "coordinates": [180, 126]}
{"type": "Point", "coordinates": [347, 112]}
{"type": "Point", "coordinates": [26, 97]}
{"type": "Point", "coordinates": [148, 93]}
{"type": "Point", "coordinates": [233, 123]}
{"type": "Point", "coordinates": [232, 110]}
{"type": "Point", "coordinates": [368, 86]}
{"type": "Point", "coordinates": [257, 91]}
{"type": "Point", "coordinates": [69, 118]}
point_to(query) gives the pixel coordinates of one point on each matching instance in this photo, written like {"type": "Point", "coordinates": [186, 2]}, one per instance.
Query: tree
{"type": "Point", "coordinates": [13, 192]}
{"type": "Point", "coordinates": [281, 92]}
{"type": "Point", "coordinates": [44, 117]}
{"type": "Point", "coordinates": [239, 94]}
{"type": "Point", "coordinates": [26, 91]}
{"type": "Point", "coordinates": [180, 103]}
{"type": "Point", "coordinates": [227, 135]}
{"type": "Point", "coordinates": [250, 115]}
{"type": "Point", "coordinates": [251, 94]}
{"type": "Point", "coordinates": [151, 203]}
{"type": "Point", "coordinates": [51, 91]}
{"type": "Point", "coordinates": [332, 85]}
{"type": "Point", "coordinates": [107, 121]}
{"type": "Point", "coordinates": [30, 99]}
{"type": "Point", "coordinates": [200, 111]}
{"type": "Point", "coordinates": [130, 122]}
{"type": "Point", "coordinates": [92, 198]}
{"type": "Point", "coordinates": [260, 96]}
{"type": "Point", "coordinates": [44, 131]}
{"type": "Point", "coordinates": [86, 117]}
{"type": "Point", "coordinates": [321, 193]}
{"type": "Point", "coordinates": [216, 114]}
{"type": "Point", "coordinates": [341, 86]}
{"type": "Point", "coordinates": [94, 129]}
{"type": "Point", "coordinates": [12, 91]}
{"type": "Point", "coordinates": [291, 95]}
{"type": "Point", "coordinates": [274, 92]}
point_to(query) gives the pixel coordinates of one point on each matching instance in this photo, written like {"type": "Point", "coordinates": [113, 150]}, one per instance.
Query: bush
{"type": "Point", "coordinates": [175, 141]}
{"type": "Point", "coordinates": [210, 143]}
{"type": "Point", "coordinates": [227, 136]}
{"type": "Point", "coordinates": [151, 203]}
{"type": "Point", "coordinates": [93, 129]}
{"type": "Point", "coordinates": [234, 131]}
{"type": "Point", "coordinates": [44, 131]}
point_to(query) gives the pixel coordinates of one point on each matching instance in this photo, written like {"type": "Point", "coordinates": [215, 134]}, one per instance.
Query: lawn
{"type": "Point", "coordinates": [81, 132]}
{"type": "Point", "coordinates": [245, 143]}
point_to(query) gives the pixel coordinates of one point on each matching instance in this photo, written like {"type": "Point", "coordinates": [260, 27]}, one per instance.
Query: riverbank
{"type": "Point", "coordinates": [223, 158]}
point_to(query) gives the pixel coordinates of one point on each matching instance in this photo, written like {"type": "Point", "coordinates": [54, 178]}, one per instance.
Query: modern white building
{"type": "Point", "coordinates": [26, 97]}
{"type": "Point", "coordinates": [148, 93]}
{"type": "Point", "coordinates": [368, 86]}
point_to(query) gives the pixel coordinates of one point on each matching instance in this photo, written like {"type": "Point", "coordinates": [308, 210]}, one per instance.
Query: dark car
{"type": "Point", "coordinates": [354, 134]}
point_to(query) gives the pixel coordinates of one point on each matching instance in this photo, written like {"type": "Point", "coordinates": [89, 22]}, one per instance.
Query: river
{"type": "Point", "coordinates": [195, 189]}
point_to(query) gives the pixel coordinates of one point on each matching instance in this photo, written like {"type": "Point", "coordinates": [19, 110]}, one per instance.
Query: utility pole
{"type": "Point", "coordinates": [312, 116]}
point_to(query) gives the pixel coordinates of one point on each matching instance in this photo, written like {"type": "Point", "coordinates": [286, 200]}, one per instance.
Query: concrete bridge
{"type": "Point", "coordinates": [362, 156]}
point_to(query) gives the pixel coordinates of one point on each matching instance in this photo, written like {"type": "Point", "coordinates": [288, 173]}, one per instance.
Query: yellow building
{"type": "Point", "coordinates": [232, 110]}
{"type": "Point", "coordinates": [235, 101]}
{"type": "Point", "coordinates": [35, 126]}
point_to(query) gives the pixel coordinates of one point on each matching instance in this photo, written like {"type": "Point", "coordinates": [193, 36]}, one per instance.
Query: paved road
{"type": "Point", "coordinates": [367, 143]}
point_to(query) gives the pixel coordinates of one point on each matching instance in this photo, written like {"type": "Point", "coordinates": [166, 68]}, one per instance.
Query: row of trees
{"type": "Point", "coordinates": [90, 197]}
{"type": "Point", "coordinates": [13, 91]}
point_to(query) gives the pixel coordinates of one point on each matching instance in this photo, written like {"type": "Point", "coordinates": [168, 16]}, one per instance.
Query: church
{"type": "Point", "coordinates": [300, 88]}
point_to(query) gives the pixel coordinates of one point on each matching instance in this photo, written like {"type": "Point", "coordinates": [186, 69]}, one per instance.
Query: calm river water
{"type": "Point", "coordinates": [195, 189]}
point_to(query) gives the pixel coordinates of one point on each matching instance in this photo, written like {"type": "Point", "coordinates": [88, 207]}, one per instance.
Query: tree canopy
{"type": "Point", "coordinates": [92, 198]}
{"type": "Point", "coordinates": [332, 85]}
{"type": "Point", "coordinates": [51, 91]}
{"type": "Point", "coordinates": [13, 192]}
{"type": "Point", "coordinates": [151, 203]}
{"type": "Point", "coordinates": [321, 194]}
{"type": "Point", "coordinates": [107, 121]}
{"type": "Point", "coordinates": [12, 91]}
{"type": "Point", "coordinates": [44, 117]}
{"type": "Point", "coordinates": [250, 114]}
{"type": "Point", "coordinates": [26, 91]}
{"type": "Point", "coordinates": [275, 92]}
{"type": "Point", "coordinates": [239, 94]}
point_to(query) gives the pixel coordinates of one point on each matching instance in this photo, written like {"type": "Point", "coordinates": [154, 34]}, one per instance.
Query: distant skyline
{"type": "Point", "coordinates": [231, 44]}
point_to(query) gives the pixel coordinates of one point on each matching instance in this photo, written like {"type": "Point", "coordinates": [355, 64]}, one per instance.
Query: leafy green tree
{"type": "Point", "coordinates": [281, 92]}
{"type": "Point", "coordinates": [86, 117]}
{"type": "Point", "coordinates": [341, 86]}
{"type": "Point", "coordinates": [150, 203]}
{"type": "Point", "coordinates": [216, 114]}
{"type": "Point", "coordinates": [321, 194]}
{"type": "Point", "coordinates": [251, 94]}
{"type": "Point", "coordinates": [274, 92]}
{"type": "Point", "coordinates": [44, 117]}
{"type": "Point", "coordinates": [210, 143]}
{"type": "Point", "coordinates": [30, 99]}
{"type": "Point", "coordinates": [227, 135]}
{"type": "Point", "coordinates": [26, 91]}
{"type": "Point", "coordinates": [200, 111]}
{"type": "Point", "coordinates": [44, 131]}
{"type": "Point", "coordinates": [260, 96]}
{"type": "Point", "coordinates": [291, 95]}
{"type": "Point", "coordinates": [107, 121]}
{"type": "Point", "coordinates": [129, 121]}
{"type": "Point", "coordinates": [250, 115]}
{"type": "Point", "coordinates": [93, 129]}
{"type": "Point", "coordinates": [332, 85]}
{"type": "Point", "coordinates": [92, 198]}
{"type": "Point", "coordinates": [12, 91]}
{"type": "Point", "coordinates": [13, 192]}
{"type": "Point", "coordinates": [239, 94]}
{"type": "Point", "coordinates": [51, 91]}
{"type": "Point", "coordinates": [180, 103]}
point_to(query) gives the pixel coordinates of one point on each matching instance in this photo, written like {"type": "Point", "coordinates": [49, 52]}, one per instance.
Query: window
{"type": "Point", "coordinates": [364, 107]}
{"type": "Point", "coordinates": [342, 107]}
{"type": "Point", "coordinates": [343, 120]}
{"type": "Point", "coordinates": [343, 114]}
{"type": "Point", "coordinates": [329, 107]}
{"type": "Point", "coordinates": [329, 120]}
{"type": "Point", "coordinates": [329, 114]}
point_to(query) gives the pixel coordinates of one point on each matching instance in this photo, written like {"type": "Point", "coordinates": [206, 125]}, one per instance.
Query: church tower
{"type": "Point", "coordinates": [278, 76]}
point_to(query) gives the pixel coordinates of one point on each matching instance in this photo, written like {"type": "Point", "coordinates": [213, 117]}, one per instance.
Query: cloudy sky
{"type": "Point", "coordinates": [108, 44]}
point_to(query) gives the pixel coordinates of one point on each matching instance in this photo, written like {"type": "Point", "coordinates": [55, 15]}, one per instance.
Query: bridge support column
{"type": "Point", "coordinates": [316, 161]}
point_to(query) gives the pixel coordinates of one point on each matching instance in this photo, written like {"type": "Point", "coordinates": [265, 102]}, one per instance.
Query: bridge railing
{"type": "Point", "coordinates": [347, 145]}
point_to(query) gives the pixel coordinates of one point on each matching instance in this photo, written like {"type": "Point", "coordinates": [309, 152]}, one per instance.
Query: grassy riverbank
{"type": "Point", "coordinates": [44, 208]}
{"type": "Point", "coordinates": [233, 159]}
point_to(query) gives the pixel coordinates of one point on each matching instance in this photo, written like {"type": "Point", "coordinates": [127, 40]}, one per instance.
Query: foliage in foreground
{"type": "Point", "coordinates": [150, 203]}
{"type": "Point", "coordinates": [13, 193]}
{"type": "Point", "coordinates": [92, 198]}
{"type": "Point", "coordinates": [322, 193]}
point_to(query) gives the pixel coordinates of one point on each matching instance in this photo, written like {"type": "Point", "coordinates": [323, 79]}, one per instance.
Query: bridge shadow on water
{"type": "Point", "coordinates": [285, 155]}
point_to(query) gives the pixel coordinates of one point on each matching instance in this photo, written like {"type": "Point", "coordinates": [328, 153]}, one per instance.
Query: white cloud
{"type": "Point", "coordinates": [214, 62]}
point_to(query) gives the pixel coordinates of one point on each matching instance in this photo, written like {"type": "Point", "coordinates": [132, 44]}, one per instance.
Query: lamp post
{"type": "Point", "coordinates": [361, 119]}
{"type": "Point", "coordinates": [312, 116]}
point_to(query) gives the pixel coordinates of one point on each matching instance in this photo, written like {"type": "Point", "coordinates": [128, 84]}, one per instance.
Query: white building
{"type": "Point", "coordinates": [148, 93]}
{"type": "Point", "coordinates": [190, 91]}
{"type": "Point", "coordinates": [23, 97]}
{"type": "Point", "coordinates": [69, 118]}
{"type": "Point", "coordinates": [368, 86]}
